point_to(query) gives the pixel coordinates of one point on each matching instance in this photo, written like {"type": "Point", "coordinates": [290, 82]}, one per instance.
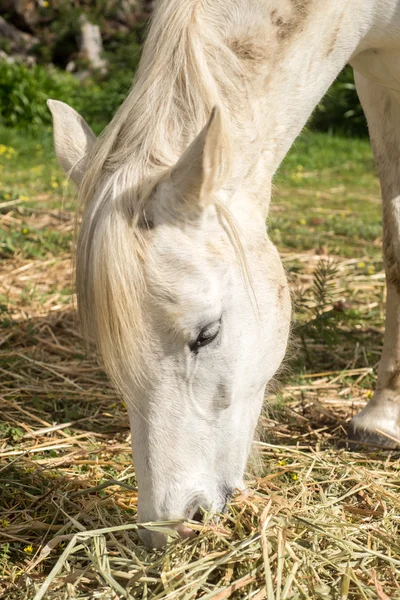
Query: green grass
{"type": "Point", "coordinates": [31, 183]}
{"type": "Point", "coordinates": [29, 169]}
{"type": "Point", "coordinates": [326, 194]}
{"type": "Point", "coordinates": [327, 197]}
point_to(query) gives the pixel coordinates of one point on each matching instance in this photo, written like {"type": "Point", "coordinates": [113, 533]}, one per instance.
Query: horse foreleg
{"type": "Point", "coordinates": [379, 422]}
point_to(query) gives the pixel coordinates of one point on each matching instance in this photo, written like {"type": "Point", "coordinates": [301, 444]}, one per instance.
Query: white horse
{"type": "Point", "coordinates": [177, 281]}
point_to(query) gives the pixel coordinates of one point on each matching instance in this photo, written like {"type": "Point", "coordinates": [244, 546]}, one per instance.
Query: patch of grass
{"type": "Point", "coordinates": [318, 522]}
{"type": "Point", "coordinates": [327, 198]}
{"type": "Point", "coordinates": [29, 175]}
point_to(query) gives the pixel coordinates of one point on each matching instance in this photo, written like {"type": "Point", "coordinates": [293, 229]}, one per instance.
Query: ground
{"type": "Point", "coordinates": [319, 521]}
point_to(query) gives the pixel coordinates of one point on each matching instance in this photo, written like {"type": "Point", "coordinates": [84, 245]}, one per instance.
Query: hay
{"type": "Point", "coordinates": [318, 521]}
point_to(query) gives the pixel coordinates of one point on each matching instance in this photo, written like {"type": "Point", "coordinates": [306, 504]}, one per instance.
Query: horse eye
{"type": "Point", "coordinates": [206, 336]}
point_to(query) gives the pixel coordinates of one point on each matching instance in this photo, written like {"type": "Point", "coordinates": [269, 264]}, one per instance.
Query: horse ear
{"type": "Point", "coordinates": [73, 139]}
{"type": "Point", "coordinates": [196, 174]}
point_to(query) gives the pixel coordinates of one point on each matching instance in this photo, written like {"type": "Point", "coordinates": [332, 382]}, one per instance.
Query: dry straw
{"type": "Point", "coordinates": [318, 522]}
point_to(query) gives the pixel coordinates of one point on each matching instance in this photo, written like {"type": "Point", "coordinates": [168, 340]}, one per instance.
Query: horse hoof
{"type": "Point", "coordinates": [363, 439]}
{"type": "Point", "coordinates": [377, 425]}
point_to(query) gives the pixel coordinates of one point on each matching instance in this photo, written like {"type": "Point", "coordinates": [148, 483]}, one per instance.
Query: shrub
{"type": "Point", "coordinates": [340, 110]}
{"type": "Point", "coordinates": [24, 91]}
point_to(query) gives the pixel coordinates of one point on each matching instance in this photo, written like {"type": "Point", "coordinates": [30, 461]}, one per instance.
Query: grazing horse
{"type": "Point", "coordinates": [178, 283]}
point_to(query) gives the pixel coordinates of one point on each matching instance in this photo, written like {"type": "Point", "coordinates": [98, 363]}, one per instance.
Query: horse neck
{"type": "Point", "coordinates": [297, 53]}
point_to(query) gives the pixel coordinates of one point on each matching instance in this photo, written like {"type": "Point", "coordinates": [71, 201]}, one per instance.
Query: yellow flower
{"type": "Point", "coordinates": [282, 463]}
{"type": "Point", "coordinates": [7, 151]}
{"type": "Point", "coordinates": [28, 549]}
{"type": "Point", "coordinates": [302, 221]}
{"type": "Point", "coordinates": [4, 523]}
{"type": "Point", "coordinates": [45, 3]}
{"type": "Point", "coordinates": [298, 176]}
{"type": "Point", "coordinates": [54, 184]}
{"type": "Point", "coordinates": [361, 265]}
{"type": "Point", "coordinates": [295, 476]}
{"type": "Point", "coordinates": [25, 231]}
{"type": "Point", "coordinates": [371, 269]}
{"type": "Point", "coordinates": [23, 198]}
{"type": "Point", "coordinates": [7, 196]}
{"type": "Point", "coordinates": [369, 393]}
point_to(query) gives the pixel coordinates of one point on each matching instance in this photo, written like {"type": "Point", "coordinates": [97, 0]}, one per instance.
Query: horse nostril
{"type": "Point", "coordinates": [195, 509]}
{"type": "Point", "coordinates": [198, 516]}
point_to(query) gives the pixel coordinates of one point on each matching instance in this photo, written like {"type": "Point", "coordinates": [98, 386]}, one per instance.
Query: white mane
{"type": "Point", "coordinates": [186, 69]}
